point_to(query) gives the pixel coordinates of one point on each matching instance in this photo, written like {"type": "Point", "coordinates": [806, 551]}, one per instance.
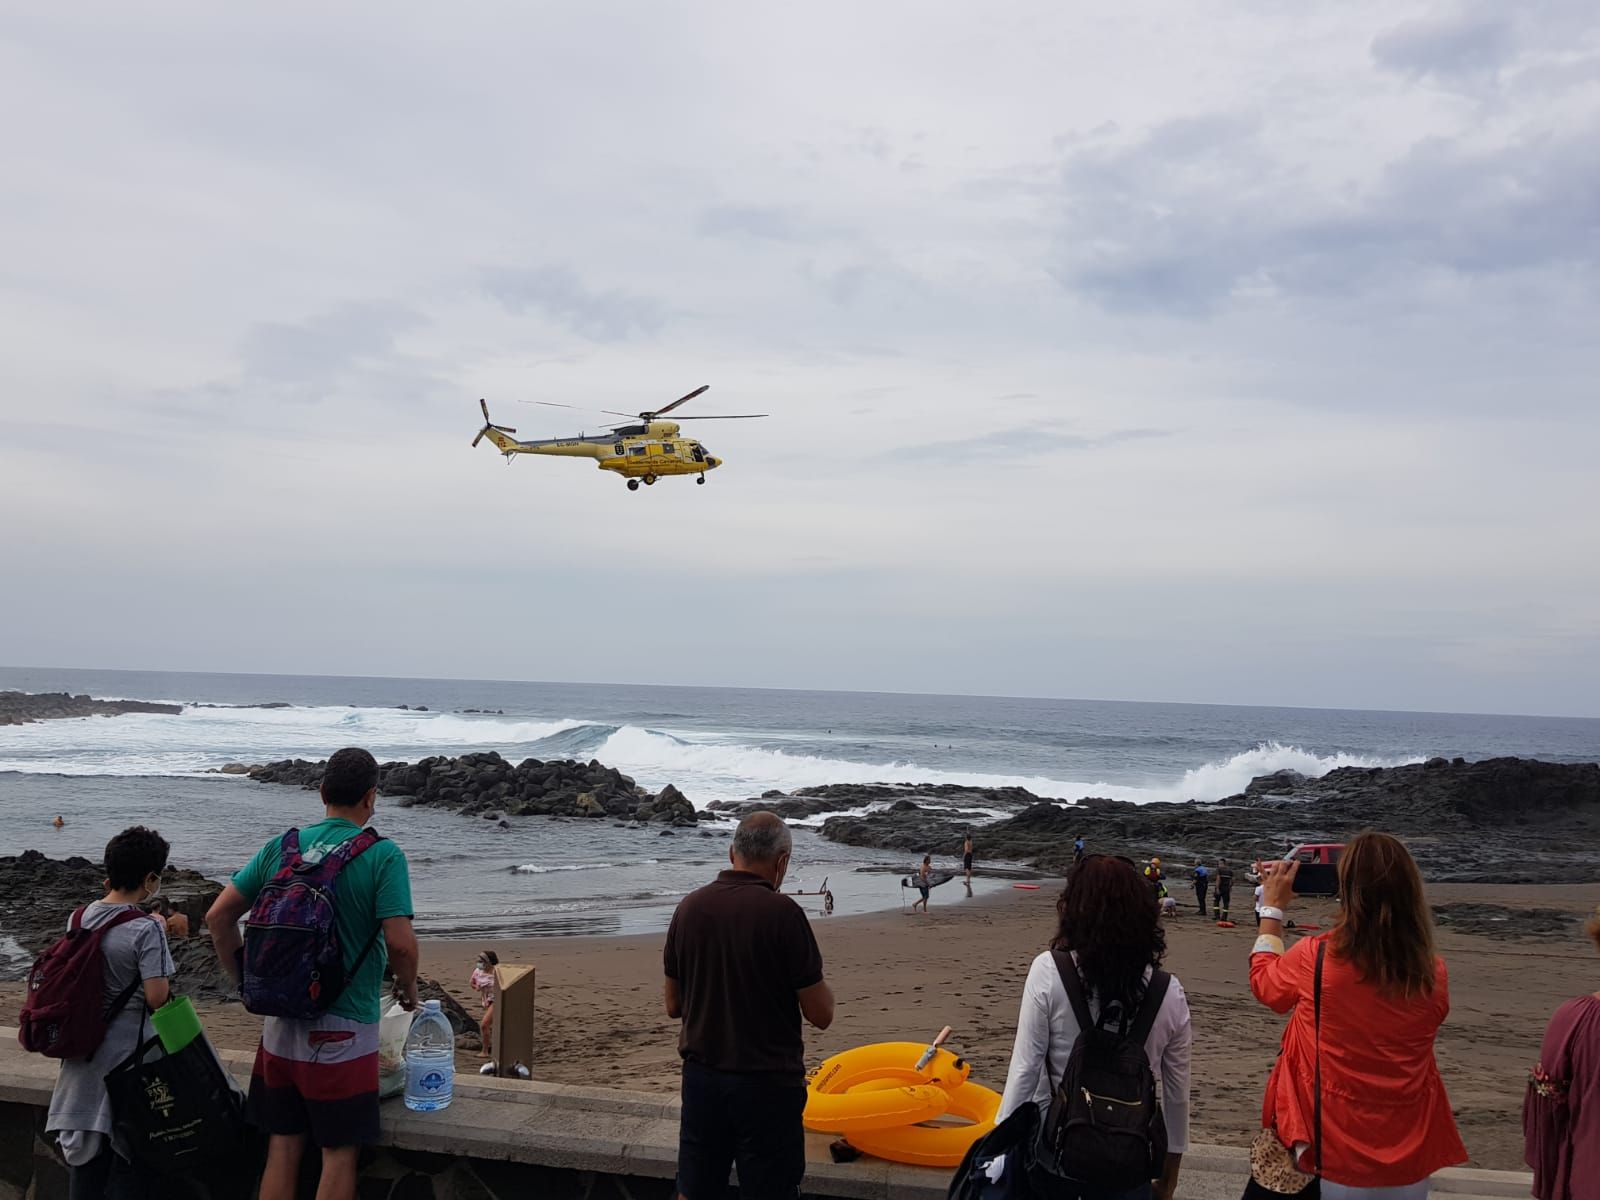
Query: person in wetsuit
{"type": "Point", "coordinates": [1224, 891]}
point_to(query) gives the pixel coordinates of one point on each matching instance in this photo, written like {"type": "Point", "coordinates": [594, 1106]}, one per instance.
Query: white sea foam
{"type": "Point", "coordinates": [200, 739]}
{"type": "Point", "coordinates": [536, 869]}
{"type": "Point", "coordinates": [729, 770]}
{"type": "Point", "coordinates": [1216, 780]}
{"type": "Point", "coordinates": [706, 766]}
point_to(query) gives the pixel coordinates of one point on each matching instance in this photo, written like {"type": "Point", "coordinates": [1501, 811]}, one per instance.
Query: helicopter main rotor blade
{"type": "Point", "coordinates": [610, 412]}
{"type": "Point", "coordinates": [704, 387]}
{"type": "Point", "coordinates": [726, 417]}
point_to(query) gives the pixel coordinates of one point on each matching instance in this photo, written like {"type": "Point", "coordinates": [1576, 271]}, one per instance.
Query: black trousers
{"type": "Point", "coordinates": [107, 1176]}
{"type": "Point", "coordinates": [748, 1121]}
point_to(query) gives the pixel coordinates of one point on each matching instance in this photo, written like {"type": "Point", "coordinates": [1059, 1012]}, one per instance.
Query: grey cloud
{"type": "Point", "coordinates": [1445, 47]}
{"type": "Point", "coordinates": [557, 293]}
{"type": "Point", "coordinates": [1201, 210]}
{"type": "Point", "coordinates": [322, 348]}
{"type": "Point", "coordinates": [756, 221]}
{"type": "Point", "coordinates": [1020, 443]}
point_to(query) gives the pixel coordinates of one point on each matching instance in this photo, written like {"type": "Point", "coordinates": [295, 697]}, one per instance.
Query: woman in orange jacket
{"type": "Point", "coordinates": [1386, 1121]}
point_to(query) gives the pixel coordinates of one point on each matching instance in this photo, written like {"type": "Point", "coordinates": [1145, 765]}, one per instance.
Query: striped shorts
{"type": "Point", "coordinates": [319, 1078]}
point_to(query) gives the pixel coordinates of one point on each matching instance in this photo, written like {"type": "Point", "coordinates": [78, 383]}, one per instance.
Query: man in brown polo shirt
{"type": "Point", "coordinates": [742, 967]}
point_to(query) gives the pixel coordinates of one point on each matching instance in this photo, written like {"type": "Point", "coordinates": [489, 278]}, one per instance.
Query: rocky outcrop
{"type": "Point", "coordinates": [486, 784]}
{"type": "Point", "coordinates": [1502, 820]}
{"type": "Point", "coordinates": [22, 708]}
{"type": "Point", "coordinates": [38, 894]}
{"type": "Point", "coordinates": [841, 797]}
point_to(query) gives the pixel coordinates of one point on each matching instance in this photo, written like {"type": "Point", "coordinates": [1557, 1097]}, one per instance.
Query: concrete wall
{"type": "Point", "coordinates": [504, 1139]}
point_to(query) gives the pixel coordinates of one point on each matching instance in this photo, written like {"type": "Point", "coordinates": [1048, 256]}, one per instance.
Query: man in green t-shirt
{"type": "Point", "coordinates": [318, 1079]}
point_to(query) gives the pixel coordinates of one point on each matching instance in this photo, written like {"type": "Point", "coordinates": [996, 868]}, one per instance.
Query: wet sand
{"type": "Point", "coordinates": [600, 1020]}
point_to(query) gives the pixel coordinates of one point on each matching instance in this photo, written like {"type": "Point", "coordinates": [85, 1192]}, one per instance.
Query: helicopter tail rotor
{"type": "Point", "coordinates": [488, 424]}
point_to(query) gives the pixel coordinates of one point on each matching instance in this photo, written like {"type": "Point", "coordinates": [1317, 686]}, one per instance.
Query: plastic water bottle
{"type": "Point", "coordinates": [430, 1060]}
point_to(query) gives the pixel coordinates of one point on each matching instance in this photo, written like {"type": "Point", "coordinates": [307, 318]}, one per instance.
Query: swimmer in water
{"type": "Point", "coordinates": [58, 822]}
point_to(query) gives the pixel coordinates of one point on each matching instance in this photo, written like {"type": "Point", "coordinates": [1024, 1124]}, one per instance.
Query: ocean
{"type": "Point", "coordinates": [548, 877]}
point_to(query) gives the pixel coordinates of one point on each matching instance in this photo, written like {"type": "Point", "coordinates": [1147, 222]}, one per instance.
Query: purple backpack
{"type": "Point", "coordinates": [293, 962]}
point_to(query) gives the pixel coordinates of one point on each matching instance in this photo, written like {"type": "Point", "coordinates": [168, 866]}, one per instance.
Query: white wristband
{"type": "Point", "coordinates": [1269, 913]}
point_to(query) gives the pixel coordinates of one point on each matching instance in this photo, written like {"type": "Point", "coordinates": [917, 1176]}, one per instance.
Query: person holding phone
{"type": "Point", "coordinates": [1386, 1124]}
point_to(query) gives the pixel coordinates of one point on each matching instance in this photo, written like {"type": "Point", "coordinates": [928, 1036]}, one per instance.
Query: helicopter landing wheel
{"type": "Point", "coordinates": [700, 479]}
{"type": "Point", "coordinates": [633, 485]}
{"type": "Point", "coordinates": [649, 480]}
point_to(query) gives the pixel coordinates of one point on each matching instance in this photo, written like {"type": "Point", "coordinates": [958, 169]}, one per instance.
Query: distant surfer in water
{"type": "Point", "coordinates": [924, 882]}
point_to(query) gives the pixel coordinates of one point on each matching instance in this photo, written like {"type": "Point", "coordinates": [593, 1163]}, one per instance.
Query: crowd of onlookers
{"type": "Point", "coordinates": [1355, 1097]}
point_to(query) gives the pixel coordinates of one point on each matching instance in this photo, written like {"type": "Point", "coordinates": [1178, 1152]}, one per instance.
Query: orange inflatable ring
{"type": "Point", "coordinates": [862, 1112]}
{"type": "Point", "coordinates": [890, 1062]}
{"type": "Point", "coordinates": [876, 1096]}
{"type": "Point", "coordinates": [936, 1145]}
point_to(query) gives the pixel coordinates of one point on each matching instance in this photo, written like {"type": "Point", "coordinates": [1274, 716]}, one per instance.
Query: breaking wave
{"type": "Point", "coordinates": [705, 765]}
{"type": "Point", "coordinates": [536, 869]}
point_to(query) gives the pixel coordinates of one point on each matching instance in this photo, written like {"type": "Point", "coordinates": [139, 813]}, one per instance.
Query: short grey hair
{"type": "Point", "coordinates": [761, 838]}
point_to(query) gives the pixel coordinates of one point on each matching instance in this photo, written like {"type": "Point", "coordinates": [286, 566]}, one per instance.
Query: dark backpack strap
{"type": "Point", "coordinates": [1068, 970]}
{"type": "Point", "coordinates": [1316, 1009]}
{"type": "Point", "coordinates": [122, 918]}
{"type": "Point", "coordinates": [1154, 993]}
{"type": "Point", "coordinates": [347, 851]}
{"type": "Point", "coordinates": [354, 847]}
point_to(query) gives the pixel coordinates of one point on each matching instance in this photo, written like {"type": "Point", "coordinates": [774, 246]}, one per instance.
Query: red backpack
{"type": "Point", "coordinates": [65, 1014]}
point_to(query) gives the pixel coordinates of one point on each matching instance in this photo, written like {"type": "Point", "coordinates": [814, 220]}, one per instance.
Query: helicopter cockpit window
{"type": "Point", "coordinates": [699, 454]}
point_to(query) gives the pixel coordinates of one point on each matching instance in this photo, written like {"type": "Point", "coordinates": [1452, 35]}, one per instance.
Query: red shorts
{"type": "Point", "coordinates": [318, 1078]}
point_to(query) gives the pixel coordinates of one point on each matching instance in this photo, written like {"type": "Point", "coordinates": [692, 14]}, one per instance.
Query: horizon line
{"type": "Point", "coordinates": [800, 690]}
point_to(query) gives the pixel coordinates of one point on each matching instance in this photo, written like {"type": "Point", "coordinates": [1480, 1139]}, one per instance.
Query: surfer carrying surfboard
{"type": "Point", "coordinates": [924, 882]}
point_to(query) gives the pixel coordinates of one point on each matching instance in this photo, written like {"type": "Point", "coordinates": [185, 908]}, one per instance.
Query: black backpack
{"type": "Point", "coordinates": [1104, 1128]}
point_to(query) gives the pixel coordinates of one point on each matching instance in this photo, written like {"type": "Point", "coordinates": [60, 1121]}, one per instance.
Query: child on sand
{"type": "Point", "coordinates": [482, 982]}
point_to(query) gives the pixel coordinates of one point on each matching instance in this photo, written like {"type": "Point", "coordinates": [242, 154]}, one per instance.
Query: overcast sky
{"type": "Point", "coordinates": [1230, 352]}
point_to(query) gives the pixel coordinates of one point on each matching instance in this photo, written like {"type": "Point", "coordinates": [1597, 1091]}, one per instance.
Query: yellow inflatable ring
{"type": "Point", "coordinates": [887, 1108]}
{"type": "Point", "coordinates": [936, 1145]}
{"type": "Point", "coordinates": [890, 1062]}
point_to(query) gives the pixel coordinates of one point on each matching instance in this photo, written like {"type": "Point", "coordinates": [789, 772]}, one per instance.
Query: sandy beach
{"type": "Point", "coordinates": [599, 1016]}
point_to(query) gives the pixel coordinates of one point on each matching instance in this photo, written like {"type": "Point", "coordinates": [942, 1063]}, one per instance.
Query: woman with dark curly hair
{"type": "Point", "coordinates": [1110, 932]}
{"type": "Point", "coordinates": [1561, 1115]}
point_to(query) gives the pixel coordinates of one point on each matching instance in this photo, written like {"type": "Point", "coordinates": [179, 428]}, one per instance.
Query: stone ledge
{"type": "Point", "coordinates": [616, 1132]}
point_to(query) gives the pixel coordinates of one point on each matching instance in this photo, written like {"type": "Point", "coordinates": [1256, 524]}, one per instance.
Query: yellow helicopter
{"type": "Point", "coordinates": [638, 452]}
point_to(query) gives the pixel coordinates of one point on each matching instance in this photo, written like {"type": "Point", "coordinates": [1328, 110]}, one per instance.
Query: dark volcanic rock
{"type": "Point", "coordinates": [480, 784]}
{"type": "Point", "coordinates": [1508, 924]}
{"type": "Point", "coordinates": [1504, 820]}
{"type": "Point", "coordinates": [841, 797]}
{"type": "Point", "coordinates": [21, 708]}
{"type": "Point", "coordinates": [38, 894]}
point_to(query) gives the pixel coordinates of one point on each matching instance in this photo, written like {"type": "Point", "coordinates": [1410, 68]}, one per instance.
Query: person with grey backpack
{"type": "Point", "coordinates": [1103, 1046]}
